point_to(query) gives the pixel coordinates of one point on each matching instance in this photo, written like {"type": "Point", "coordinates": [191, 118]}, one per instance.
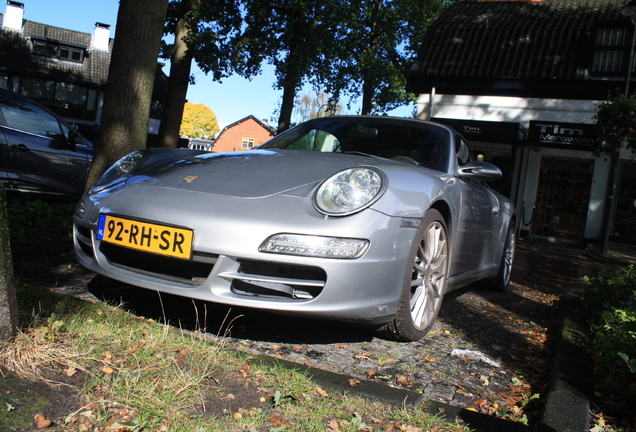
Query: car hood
{"type": "Point", "coordinates": [249, 174]}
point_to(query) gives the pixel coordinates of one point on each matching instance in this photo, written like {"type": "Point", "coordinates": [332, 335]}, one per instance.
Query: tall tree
{"type": "Point", "coordinates": [204, 31]}
{"type": "Point", "coordinates": [131, 76]}
{"type": "Point", "coordinates": [290, 35]}
{"type": "Point", "coordinates": [182, 23]}
{"type": "Point", "coordinates": [310, 106]}
{"type": "Point", "coordinates": [199, 121]}
{"type": "Point", "coordinates": [375, 48]}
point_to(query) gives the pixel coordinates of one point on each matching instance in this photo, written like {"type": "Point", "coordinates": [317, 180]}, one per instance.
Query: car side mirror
{"type": "Point", "coordinates": [73, 139]}
{"type": "Point", "coordinates": [480, 171]}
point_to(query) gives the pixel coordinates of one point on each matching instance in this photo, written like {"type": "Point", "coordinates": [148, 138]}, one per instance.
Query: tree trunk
{"type": "Point", "coordinates": [133, 66]}
{"type": "Point", "coordinates": [8, 304]}
{"type": "Point", "coordinates": [180, 64]}
{"type": "Point", "coordinates": [367, 96]}
{"type": "Point", "coordinates": [368, 85]}
{"type": "Point", "coordinates": [287, 106]}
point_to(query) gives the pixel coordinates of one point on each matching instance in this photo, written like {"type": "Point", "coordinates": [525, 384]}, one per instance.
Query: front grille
{"type": "Point", "coordinates": [276, 280]}
{"type": "Point", "coordinates": [186, 271]}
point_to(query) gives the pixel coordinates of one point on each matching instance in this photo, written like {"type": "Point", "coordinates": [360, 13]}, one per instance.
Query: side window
{"type": "Point", "coordinates": [464, 153]}
{"type": "Point", "coordinates": [29, 118]}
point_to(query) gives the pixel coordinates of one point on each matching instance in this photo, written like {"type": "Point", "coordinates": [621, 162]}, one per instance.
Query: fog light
{"type": "Point", "coordinates": [314, 246]}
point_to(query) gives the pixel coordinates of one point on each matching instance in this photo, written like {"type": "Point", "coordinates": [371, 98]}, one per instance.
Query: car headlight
{"type": "Point", "coordinates": [315, 246]}
{"type": "Point", "coordinates": [349, 191]}
{"type": "Point", "coordinates": [120, 169]}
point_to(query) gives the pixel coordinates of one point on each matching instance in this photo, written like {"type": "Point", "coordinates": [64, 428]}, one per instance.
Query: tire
{"type": "Point", "coordinates": [501, 282]}
{"type": "Point", "coordinates": [424, 282]}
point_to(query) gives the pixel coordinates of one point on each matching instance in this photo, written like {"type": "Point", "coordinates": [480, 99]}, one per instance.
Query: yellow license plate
{"type": "Point", "coordinates": [147, 237]}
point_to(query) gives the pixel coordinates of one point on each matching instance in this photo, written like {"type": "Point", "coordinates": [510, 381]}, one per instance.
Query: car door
{"type": "Point", "coordinates": [479, 212]}
{"type": "Point", "coordinates": [40, 159]}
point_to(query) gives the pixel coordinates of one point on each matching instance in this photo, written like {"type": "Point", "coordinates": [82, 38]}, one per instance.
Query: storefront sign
{"type": "Point", "coordinates": [486, 131]}
{"type": "Point", "coordinates": [576, 136]}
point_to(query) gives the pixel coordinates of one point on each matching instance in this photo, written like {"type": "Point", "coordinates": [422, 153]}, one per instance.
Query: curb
{"type": "Point", "coordinates": [567, 406]}
{"type": "Point", "coordinates": [400, 398]}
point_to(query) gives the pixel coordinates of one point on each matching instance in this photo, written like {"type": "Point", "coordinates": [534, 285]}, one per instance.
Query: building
{"type": "Point", "coordinates": [521, 81]}
{"type": "Point", "coordinates": [242, 135]}
{"type": "Point", "coordinates": [63, 69]}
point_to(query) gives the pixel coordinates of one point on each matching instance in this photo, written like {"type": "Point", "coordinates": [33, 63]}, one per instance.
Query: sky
{"type": "Point", "coordinates": [231, 100]}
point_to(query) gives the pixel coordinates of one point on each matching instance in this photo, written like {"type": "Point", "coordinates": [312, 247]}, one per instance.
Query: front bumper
{"type": "Point", "coordinates": [228, 268]}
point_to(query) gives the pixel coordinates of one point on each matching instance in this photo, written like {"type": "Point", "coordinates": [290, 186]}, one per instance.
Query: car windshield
{"type": "Point", "coordinates": [408, 141]}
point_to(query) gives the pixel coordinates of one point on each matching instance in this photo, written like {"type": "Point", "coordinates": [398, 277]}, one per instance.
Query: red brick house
{"type": "Point", "coordinates": [242, 135]}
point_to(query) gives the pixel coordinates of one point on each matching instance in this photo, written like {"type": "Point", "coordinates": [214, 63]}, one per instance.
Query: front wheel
{"type": "Point", "coordinates": [424, 282]}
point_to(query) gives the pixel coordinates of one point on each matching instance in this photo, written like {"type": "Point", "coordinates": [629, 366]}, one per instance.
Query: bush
{"type": "Point", "coordinates": [37, 221]}
{"type": "Point", "coordinates": [610, 307]}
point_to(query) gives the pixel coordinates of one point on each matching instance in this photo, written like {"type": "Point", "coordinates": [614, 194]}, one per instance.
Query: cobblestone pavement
{"type": "Point", "coordinates": [487, 351]}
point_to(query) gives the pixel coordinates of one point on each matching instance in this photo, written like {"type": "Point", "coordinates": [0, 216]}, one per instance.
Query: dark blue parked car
{"type": "Point", "coordinates": [41, 155]}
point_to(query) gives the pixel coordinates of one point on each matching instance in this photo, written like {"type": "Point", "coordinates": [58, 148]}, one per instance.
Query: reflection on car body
{"type": "Point", "coordinates": [363, 219]}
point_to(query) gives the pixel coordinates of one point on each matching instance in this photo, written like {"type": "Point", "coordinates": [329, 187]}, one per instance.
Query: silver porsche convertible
{"type": "Point", "coordinates": [363, 219]}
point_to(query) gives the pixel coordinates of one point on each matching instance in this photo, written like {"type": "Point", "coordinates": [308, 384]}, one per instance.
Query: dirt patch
{"type": "Point", "coordinates": [225, 393]}
{"type": "Point", "coordinates": [22, 399]}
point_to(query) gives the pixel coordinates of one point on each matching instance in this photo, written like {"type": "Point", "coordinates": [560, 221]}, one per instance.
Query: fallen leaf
{"type": "Point", "coordinates": [107, 370]}
{"type": "Point", "coordinates": [400, 378]}
{"type": "Point", "coordinates": [333, 426]}
{"type": "Point", "coordinates": [370, 373]}
{"type": "Point", "coordinates": [321, 392]}
{"type": "Point", "coordinates": [354, 382]}
{"type": "Point", "coordinates": [70, 371]}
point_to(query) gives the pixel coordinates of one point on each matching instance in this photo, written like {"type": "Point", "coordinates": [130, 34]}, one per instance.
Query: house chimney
{"type": "Point", "coordinates": [101, 37]}
{"type": "Point", "coordinates": [13, 16]}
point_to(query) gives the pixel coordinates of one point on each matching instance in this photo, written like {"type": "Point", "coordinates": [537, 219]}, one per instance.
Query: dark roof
{"type": "Point", "coordinates": [531, 49]}
{"type": "Point", "coordinates": [15, 54]}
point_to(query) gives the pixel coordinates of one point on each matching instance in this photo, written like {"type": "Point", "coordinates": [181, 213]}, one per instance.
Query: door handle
{"type": "Point", "coordinates": [20, 147]}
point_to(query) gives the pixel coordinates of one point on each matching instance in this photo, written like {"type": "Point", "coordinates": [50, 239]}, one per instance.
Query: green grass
{"type": "Point", "coordinates": [162, 378]}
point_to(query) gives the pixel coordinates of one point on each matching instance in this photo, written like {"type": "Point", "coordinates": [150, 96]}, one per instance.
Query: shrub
{"type": "Point", "coordinates": [36, 221]}
{"type": "Point", "coordinates": [610, 307]}
{"type": "Point", "coordinates": [615, 119]}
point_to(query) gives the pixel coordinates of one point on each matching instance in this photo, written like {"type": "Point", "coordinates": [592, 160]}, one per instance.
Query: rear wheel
{"type": "Point", "coordinates": [502, 280]}
{"type": "Point", "coordinates": [424, 282]}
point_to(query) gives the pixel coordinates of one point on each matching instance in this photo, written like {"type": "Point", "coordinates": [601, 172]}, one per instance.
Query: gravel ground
{"type": "Point", "coordinates": [488, 352]}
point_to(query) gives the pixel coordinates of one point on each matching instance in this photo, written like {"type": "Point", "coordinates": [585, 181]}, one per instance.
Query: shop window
{"type": "Point", "coordinates": [67, 99]}
{"type": "Point", "coordinates": [563, 198]}
{"type": "Point", "coordinates": [611, 45]}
